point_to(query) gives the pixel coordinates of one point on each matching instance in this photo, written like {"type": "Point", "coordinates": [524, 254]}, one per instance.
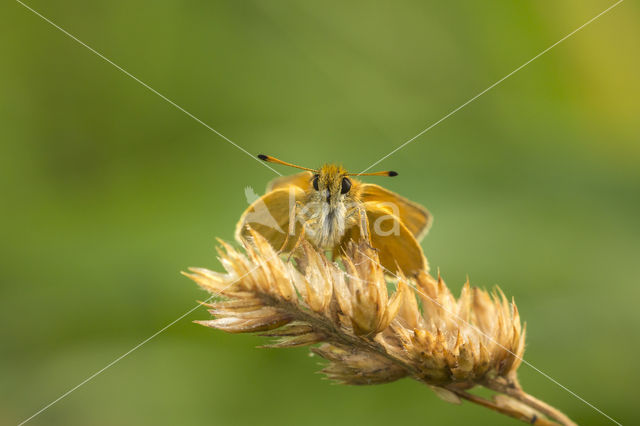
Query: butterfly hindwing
{"type": "Point", "coordinates": [396, 246]}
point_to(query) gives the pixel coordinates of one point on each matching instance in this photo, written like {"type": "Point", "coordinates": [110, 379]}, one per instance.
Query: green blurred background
{"type": "Point", "coordinates": [108, 192]}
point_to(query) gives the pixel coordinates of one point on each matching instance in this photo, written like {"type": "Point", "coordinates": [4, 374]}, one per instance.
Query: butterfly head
{"type": "Point", "coordinates": [331, 183]}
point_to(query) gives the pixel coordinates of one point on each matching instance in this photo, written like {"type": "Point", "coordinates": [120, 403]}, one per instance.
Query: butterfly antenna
{"type": "Point", "coordinates": [390, 173]}
{"type": "Point", "coordinates": [270, 159]}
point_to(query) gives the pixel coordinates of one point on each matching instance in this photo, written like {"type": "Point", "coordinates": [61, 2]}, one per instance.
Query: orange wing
{"type": "Point", "coordinates": [301, 180]}
{"type": "Point", "coordinates": [414, 216]}
{"type": "Point", "coordinates": [269, 216]}
{"type": "Point", "coordinates": [396, 245]}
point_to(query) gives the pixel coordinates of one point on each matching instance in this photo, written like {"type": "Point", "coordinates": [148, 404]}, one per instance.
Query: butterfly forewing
{"type": "Point", "coordinates": [269, 216]}
{"type": "Point", "coordinates": [301, 180]}
{"type": "Point", "coordinates": [416, 218]}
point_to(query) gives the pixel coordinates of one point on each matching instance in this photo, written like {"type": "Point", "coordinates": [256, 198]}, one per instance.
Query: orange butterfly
{"type": "Point", "coordinates": [329, 208]}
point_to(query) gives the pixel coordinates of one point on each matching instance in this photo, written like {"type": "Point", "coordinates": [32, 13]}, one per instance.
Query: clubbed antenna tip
{"type": "Point", "coordinates": [271, 159]}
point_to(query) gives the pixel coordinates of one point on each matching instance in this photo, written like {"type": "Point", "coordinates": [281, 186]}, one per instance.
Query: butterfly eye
{"type": "Point", "coordinates": [346, 186]}
{"type": "Point", "coordinates": [315, 183]}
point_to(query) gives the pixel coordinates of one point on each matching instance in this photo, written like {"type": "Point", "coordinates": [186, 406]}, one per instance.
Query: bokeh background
{"type": "Point", "coordinates": [107, 192]}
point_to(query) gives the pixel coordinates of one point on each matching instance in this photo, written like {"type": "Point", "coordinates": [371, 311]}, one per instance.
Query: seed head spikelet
{"type": "Point", "coordinates": [369, 336]}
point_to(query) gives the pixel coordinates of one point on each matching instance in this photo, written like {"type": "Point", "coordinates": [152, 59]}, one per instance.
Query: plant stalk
{"type": "Point", "coordinates": [527, 418]}
{"type": "Point", "coordinates": [514, 390]}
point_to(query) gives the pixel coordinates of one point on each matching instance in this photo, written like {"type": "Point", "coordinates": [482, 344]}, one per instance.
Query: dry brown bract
{"type": "Point", "coordinates": [369, 337]}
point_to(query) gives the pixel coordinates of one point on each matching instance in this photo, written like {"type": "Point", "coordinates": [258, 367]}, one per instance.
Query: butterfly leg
{"type": "Point", "coordinates": [364, 227]}
{"type": "Point", "coordinates": [297, 244]}
{"type": "Point", "coordinates": [292, 227]}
